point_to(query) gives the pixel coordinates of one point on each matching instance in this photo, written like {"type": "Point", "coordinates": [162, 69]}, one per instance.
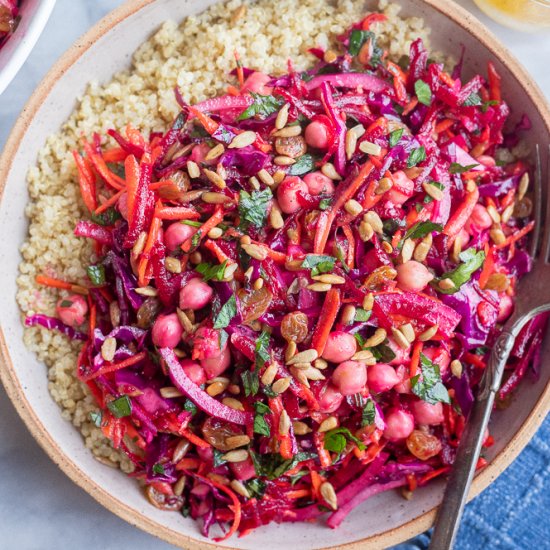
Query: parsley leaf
{"type": "Point", "coordinates": [358, 38]}
{"type": "Point", "coordinates": [109, 217]}
{"type": "Point", "coordinates": [303, 165]}
{"type": "Point", "coordinates": [415, 156]}
{"type": "Point", "coordinates": [227, 312]}
{"type": "Point", "coordinates": [189, 406]}
{"type": "Point", "coordinates": [395, 136]}
{"type": "Point", "coordinates": [423, 92]}
{"type": "Point", "coordinates": [486, 104]}
{"type": "Point", "coordinates": [361, 315]}
{"type": "Point", "coordinates": [253, 207]}
{"type": "Point", "coordinates": [318, 263]}
{"type": "Point", "coordinates": [262, 349]}
{"type": "Point", "coordinates": [324, 204]}
{"type": "Point", "coordinates": [256, 487]}
{"type": "Point", "coordinates": [96, 274]}
{"type": "Point", "coordinates": [337, 439]}
{"type": "Point", "coordinates": [120, 407]}
{"type": "Point", "coordinates": [158, 469]}
{"type": "Point", "coordinates": [471, 260]}
{"type": "Point", "coordinates": [218, 460]}
{"type": "Point", "coordinates": [251, 382]}
{"type": "Point", "coordinates": [191, 223]}
{"type": "Point", "coordinates": [262, 106]}
{"type": "Point", "coordinates": [211, 272]}
{"type": "Point", "coordinates": [428, 385]}
{"type": "Point", "coordinates": [456, 168]}
{"type": "Point", "coordinates": [272, 465]}
{"type": "Point", "coordinates": [421, 229]}
{"type": "Point", "coordinates": [368, 414]}
{"type": "Point", "coordinates": [472, 100]}
{"type": "Point", "coordinates": [383, 353]}
{"type": "Point", "coordinates": [260, 424]}
{"type": "Point", "coordinates": [97, 418]}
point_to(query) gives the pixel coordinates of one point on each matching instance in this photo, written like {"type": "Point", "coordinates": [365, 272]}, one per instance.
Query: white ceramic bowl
{"type": "Point", "coordinates": [34, 16]}
{"type": "Point", "coordinates": [386, 519]}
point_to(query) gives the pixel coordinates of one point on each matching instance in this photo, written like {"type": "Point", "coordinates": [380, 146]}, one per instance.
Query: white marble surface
{"type": "Point", "coordinates": [40, 509]}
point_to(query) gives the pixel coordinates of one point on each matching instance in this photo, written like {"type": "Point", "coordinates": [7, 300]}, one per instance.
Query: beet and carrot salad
{"type": "Point", "coordinates": [294, 289]}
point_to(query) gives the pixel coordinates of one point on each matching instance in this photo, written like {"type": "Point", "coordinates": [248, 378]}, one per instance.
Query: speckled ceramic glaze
{"type": "Point", "coordinates": [386, 519]}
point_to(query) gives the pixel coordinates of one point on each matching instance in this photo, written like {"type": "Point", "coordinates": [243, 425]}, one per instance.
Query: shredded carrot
{"type": "Point", "coordinates": [109, 202]}
{"type": "Point", "coordinates": [434, 473]}
{"type": "Point", "coordinates": [188, 464]}
{"type": "Point", "coordinates": [371, 19]}
{"type": "Point", "coordinates": [324, 455]}
{"type": "Point", "coordinates": [285, 443]}
{"type": "Point", "coordinates": [410, 106]}
{"type": "Point", "coordinates": [488, 267]}
{"type": "Point", "coordinates": [475, 360]}
{"type": "Point", "coordinates": [195, 439]}
{"type": "Point", "coordinates": [102, 169]}
{"type": "Point", "coordinates": [415, 358]}
{"type": "Point", "coordinates": [350, 260]}
{"type": "Point", "coordinates": [208, 123]}
{"type": "Point", "coordinates": [459, 218]}
{"type": "Point", "coordinates": [108, 368]}
{"type": "Point", "coordinates": [329, 312]}
{"type": "Point", "coordinates": [217, 251]}
{"type": "Point", "coordinates": [494, 82]}
{"type": "Point", "coordinates": [316, 482]}
{"type": "Point", "coordinates": [297, 493]}
{"type": "Point", "coordinates": [514, 237]}
{"type": "Point", "coordinates": [240, 71]}
{"type": "Point", "coordinates": [115, 154]}
{"type": "Point", "coordinates": [327, 217]}
{"type": "Point", "coordinates": [93, 317]}
{"type": "Point", "coordinates": [86, 180]}
{"type": "Point", "coordinates": [447, 79]}
{"type": "Point", "coordinates": [209, 224]}
{"type": "Point", "coordinates": [443, 125]}
{"type": "Point", "coordinates": [176, 213]}
{"type": "Point", "coordinates": [57, 283]}
{"type": "Point", "coordinates": [131, 168]}
{"type": "Point", "coordinates": [152, 238]}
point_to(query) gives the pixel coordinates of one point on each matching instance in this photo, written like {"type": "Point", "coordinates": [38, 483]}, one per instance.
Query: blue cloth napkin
{"type": "Point", "coordinates": [512, 514]}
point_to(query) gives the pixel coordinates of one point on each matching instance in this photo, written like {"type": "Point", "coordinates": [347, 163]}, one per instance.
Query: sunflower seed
{"type": "Point", "coordinates": [433, 191]}
{"type": "Point", "coordinates": [400, 339]}
{"type": "Point", "coordinates": [319, 287]}
{"type": "Point", "coordinates": [351, 144]}
{"type": "Point", "coordinates": [169, 392]}
{"type": "Point", "coordinates": [239, 488]}
{"type": "Point", "coordinates": [236, 441]}
{"type": "Point", "coordinates": [407, 250]}
{"type": "Point", "coordinates": [446, 284]}
{"type": "Point", "coordinates": [329, 495]}
{"type": "Point", "coordinates": [330, 172]}
{"type": "Point", "coordinates": [300, 428]}
{"type": "Point", "coordinates": [211, 197]}
{"type": "Point", "coordinates": [269, 374]}
{"type": "Point", "coordinates": [384, 185]}
{"type": "Point", "coordinates": [108, 349]}
{"type": "Point", "coordinates": [244, 139]}
{"type": "Point", "coordinates": [173, 265]}
{"type": "Point", "coordinates": [181, 449]}
{"type": "Point", "coordinates": [233, 403]}
{"type": "Point", "coordinates": [146, 291]}
{"type": "Point", "coordinates": [284, 423]}
{"type": "Point", "coordinates": [348, 314]}
{"type": "Point", "coordinates": [289, 131]}
{"type": "Point", "coordinates": [281, 385]}
{"type": "Point", "coordinates": [255, 251]}
{"type": "Point", "coordinates": [193, 169]}
{"type": "Point", "coordinates": [523, 186]}
{"type": "Point", "coordinates": [179, 486]}
{"type": "Point", "coordinates": [370, 148]}
{"type": "Point", "coordinates": [235, 456]}
{"type": "Point", "coordinates": [328, 424]}
{"type": "Point", "coordinates": [408, 331]}
{"type": "Point", "coordinates": [306, 356]}
{"type": "Point", "coordinates": [365, 231]}
{"type": "Point", "coordinates": [497, 236]}
{"type": "Point", "coordinates": [377, 338]}
{"type": "Point", "coordinates": [428, 334]}
{"type": "Point", "coordinates": [368, 301]}
{"type": "Point", "coordinates": [456, 368]}
{"type": "Point", "coordinates": [215, 178]}
{"type": "Point", "coordinates": [282, 117]}
{"type": "Point", "coordinates": [353, 207]}
{"type": "Point", "coordinates": [374, 219]}
{"type": "Point", "coordinates": [215, 152]}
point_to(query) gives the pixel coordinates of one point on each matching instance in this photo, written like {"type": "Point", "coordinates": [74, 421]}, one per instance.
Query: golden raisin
{"type": "Point", "coordinates": [294, 327]}
{"type": "Point", "coordinates": [423, 445]}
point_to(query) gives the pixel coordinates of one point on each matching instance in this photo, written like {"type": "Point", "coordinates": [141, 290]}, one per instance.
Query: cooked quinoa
{"type": "Point", "coordinates": [196, 56]}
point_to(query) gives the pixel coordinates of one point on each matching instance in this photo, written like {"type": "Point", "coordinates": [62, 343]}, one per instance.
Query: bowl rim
{"type": "Point", "coordinates": [39, 20]}
{"type": "Point", "coordinates": [458, 15]}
